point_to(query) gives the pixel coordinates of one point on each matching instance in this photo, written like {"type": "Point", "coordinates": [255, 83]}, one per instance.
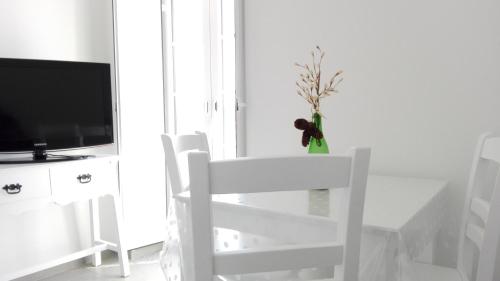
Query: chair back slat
{"type": "Point", "coordinates": [484, 236]}
{"type": "Point", "coordinates": [491, 150]}
{"type": "Point", "coordinates": [480, 208]}
{"type": "Point", "coordinates": [173, 145]}
{"type": "Point", "coordinates": [196, 141]}
{"type": "Point", "coordinates": [278, 258]}
{"type": "Point", "coordinates": [279, 174]}
{"type": "Point", "coordinates": [475, 234]}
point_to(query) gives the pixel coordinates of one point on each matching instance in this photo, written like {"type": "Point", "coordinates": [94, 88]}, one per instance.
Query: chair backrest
{"type": "Point", "coordinates": [174, 146]}
{"type": "Point", "coordinates": [249, 175]}
{"type": "Point", "coordinates": [481, 217]}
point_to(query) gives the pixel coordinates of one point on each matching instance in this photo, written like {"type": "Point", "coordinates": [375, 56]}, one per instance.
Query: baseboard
{"type": "Point", "coordinates": [139, 253]}
{"type": "Point", "coordinates": [53, 271]}
{"type": "Point", "coordinates": [107, 257]}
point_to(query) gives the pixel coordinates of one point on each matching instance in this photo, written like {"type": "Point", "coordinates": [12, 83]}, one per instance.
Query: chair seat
{"type": "Point", "coordinates": [429, 272]}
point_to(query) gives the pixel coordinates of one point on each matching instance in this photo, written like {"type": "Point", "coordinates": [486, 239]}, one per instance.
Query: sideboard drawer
{"type": "Point", "coordinates": [82, 180]}
{"type": "Point", "coordinates": [25, 183]}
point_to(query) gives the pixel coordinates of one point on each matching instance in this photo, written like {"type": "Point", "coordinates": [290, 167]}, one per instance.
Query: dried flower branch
{"type": "Point", "coordinates": [309, 83]}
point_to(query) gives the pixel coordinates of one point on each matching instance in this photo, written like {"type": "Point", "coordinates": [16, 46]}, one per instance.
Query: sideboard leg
{"type": "Point", "coordinates": [95, 228]}
{"type": "Point", "coordinates": [122, 249]}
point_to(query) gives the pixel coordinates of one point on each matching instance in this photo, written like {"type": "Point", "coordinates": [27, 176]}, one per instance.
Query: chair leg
{"type": "Point", "coordinates": [122, 250]}
{"type": "Point", "coordinates": [95, 229]}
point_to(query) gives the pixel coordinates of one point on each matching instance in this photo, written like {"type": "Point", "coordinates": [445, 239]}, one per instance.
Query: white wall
{"type": "Point", "coordinates": [421, 83]}
{"type": "Point", "coordinates": [79, 30]}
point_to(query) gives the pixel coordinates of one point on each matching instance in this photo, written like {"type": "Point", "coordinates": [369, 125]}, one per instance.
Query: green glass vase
{"type": "Point", "coordinates": [318, 145]}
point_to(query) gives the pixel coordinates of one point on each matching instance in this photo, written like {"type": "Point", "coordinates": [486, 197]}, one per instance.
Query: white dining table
{"type": "Point", "coordinates": [402, 216]}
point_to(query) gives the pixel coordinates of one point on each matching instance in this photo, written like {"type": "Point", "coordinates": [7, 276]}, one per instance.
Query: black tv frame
{"type": "Point", "coordinates": [40, 150]}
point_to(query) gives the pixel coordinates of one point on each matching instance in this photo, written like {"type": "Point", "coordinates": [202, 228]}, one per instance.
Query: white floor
{"type": "Point", "coordinates": [145, 269]}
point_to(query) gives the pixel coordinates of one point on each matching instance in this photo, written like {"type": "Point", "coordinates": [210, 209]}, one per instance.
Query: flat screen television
{"type": "Point", "coordinates": [61, 104]}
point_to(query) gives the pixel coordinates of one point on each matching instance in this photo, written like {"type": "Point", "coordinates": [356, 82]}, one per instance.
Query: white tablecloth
{"type": "Point", "coordinates": [402, 216]}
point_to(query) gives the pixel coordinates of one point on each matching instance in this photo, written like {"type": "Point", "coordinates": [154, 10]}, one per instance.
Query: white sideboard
{"type": "Point", "coordinates": [29, 187]}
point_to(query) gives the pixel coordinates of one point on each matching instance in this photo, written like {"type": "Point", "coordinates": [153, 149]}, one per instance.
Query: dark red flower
{"type": "Point", "coordinates": [310, 130]}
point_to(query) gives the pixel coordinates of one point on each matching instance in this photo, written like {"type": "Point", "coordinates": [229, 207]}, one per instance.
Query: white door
{"type": "Point", "coordinates": [199, 61]}
{"type": "Point", "coordinates": [223, 121]}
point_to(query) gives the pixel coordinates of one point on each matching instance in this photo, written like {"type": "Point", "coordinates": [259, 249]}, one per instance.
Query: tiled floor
{"type": "Point", "coordinates": [145, 269]}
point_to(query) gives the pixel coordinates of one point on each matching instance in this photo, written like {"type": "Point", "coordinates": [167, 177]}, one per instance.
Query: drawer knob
{"type": "Point", "coordinates": [84, 178]}
{"type": "Point", "coordinates": [12, 188]}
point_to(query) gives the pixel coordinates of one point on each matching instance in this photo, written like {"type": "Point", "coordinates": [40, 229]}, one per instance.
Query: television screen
{"type": "Point", "coordinates": [63, 104]}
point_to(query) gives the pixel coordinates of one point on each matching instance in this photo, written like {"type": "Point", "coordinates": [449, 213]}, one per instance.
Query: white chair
{"type": "Point", "coordinates": [278, 174]}
{"type": "Point", "coordinates": [175, 148]}
{"type": "Point", "coordinates": [480, 222]}
{"type": "Point", "coordinates": [228, 216]}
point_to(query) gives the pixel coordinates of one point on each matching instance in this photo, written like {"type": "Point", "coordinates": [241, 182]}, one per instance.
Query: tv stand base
{"type": "Point", "coordinates": [50, 158]}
